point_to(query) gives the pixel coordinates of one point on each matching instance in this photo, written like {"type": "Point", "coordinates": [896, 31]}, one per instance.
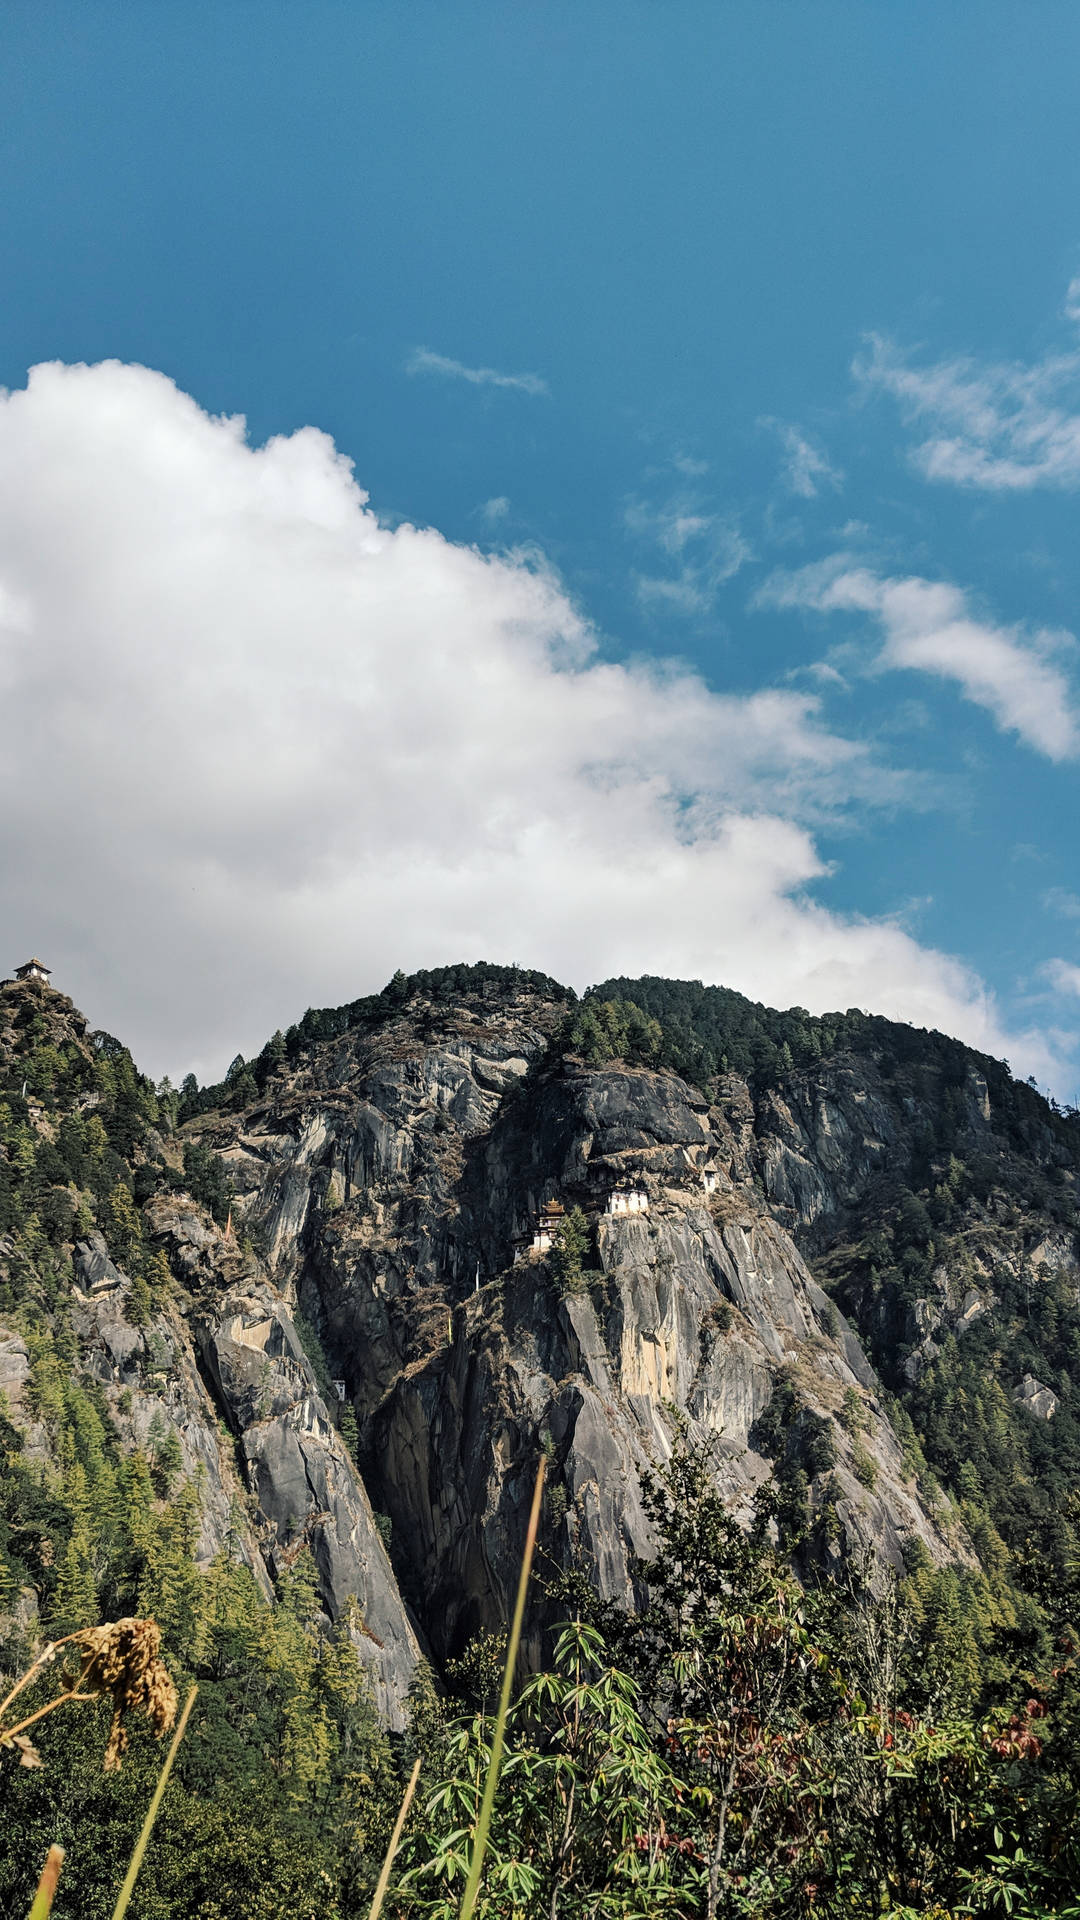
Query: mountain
{"type": "Point", "coordinates": [772, 1295]}
{"type": "Point", "coordinates": [313, 1290]}
{"type": "Point", "coordinates": [392, 1176]}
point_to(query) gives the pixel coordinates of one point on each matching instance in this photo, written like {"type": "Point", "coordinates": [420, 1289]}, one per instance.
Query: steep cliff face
{"type": "Point", "coordinates": [832, 1140]}
{"type": "Point", "coordinates": [936, 1200]}
{"type": "Point", "coordinates": [840, 1152]}
{"type": "Point", "coordinates": [209, 1375]}
{"type": "Point", "coordinates": [394, 1181]}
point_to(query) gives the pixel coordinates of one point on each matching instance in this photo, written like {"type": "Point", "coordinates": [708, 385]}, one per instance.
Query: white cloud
{"type": "Point", "coordinates": [688, 464]}
{"type": "Point", "coordinates": [496, 509]}
{"type": "Point", "coordinates": [999, 425]}
{"type": "Point", "coordinates": [1063, 975]}
{"type": "Point", "coordinates": [1060, 900]}
{"type": "Point", "coordinates": [806, 468]}
{"type": "Point", "coordinates": [926, 625]}
{"type": "Point", "coordinates": [703, 548]}
{"type": "Point", "coordinates": [422, 360]}
{"type": "Point", "coordinates": [261, 750]}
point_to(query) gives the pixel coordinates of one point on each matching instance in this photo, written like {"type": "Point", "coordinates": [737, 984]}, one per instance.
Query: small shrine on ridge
{"type": "Point", "coordinates": [33, 970]}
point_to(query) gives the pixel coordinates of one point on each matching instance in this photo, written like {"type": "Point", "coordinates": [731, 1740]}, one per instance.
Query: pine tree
{"type": "Point", "coordinates": [123, 1227]}
{"type": "Point", "coordinates": [138, 1306]}
{"type": "Point", "coordinates": [306, 1741]}
{"type": "Point", "coordinates": [349, 1431]}
{"type": "Point", "coordinates": [569, 1254]}
{"type": "Point", "coordinates": [74, 1599]}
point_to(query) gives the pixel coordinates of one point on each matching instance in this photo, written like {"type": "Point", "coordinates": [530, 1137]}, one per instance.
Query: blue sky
{"type": "Point", "coordinates": [747, 331]}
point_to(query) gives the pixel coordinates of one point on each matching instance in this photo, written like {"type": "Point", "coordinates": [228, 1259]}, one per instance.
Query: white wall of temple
{"type": "Point", "coordinates": [633, 1200]}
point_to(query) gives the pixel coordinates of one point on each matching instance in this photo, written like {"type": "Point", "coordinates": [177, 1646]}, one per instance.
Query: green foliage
{"type": "Point", "coordinates": [711, 1030]}
{"type": "Point", "coordinates": [573, 1247]}
{"type": "Point", "coordinates": [479, 981]}
{"type": "Point", "coordinates": [582, 1781]}
{"type": "Point", "coordinates": [207, 1179]}
{"type": "Point", "coordinates": [741, 1747]}
{"type": "Point", "coordinates": [350, 1434]}
{"type": "Point", "coordinates": [853, 1415]}
{"type": "Point", "coordinates": [746, 1747]}
{"type": "Point", "coordinates": [603, 1030]}
{"type": "Point", "coordinates": [320, 1366]}
{"type": "Point", "coordinates": [67, 1168]}
{"type": "Point", "coordinates": [139, 1308]}
{"type": "Point", "coordinates": [242, 1088]}
{"type": "Point", "coordinates": [284, 1731]}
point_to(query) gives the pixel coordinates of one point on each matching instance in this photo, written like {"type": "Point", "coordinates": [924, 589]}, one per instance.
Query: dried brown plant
{"type": "Point", "coordinates": [121, 1660]}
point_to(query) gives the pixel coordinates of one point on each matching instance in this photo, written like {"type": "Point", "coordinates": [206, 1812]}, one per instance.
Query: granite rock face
{"type": "Point", "coordinates": [392, 1183]}
{"type": "Point", "coordinates": [237, 1363]}
{"type": "Point", "coordinates": [307, 1489]}
{"type": "Point", "coordinates": [1036, 1399]}
{"type": "Point", "coordinates": [825, 1140]}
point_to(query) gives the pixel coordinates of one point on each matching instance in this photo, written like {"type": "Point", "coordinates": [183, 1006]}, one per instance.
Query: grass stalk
{"type": "Point", "coordinates": [483, 1818]}
{"type": "Point", "coordinates": [136, 1860]}
{"type": "Point", "coordinates": [395, 1841]}
{"type": "Point", "coordinates": [49, 1707]}
{"type": "Point", "coordinates": [44, 1657]}
{"type": "Point", "coordinates": [50, 1874]}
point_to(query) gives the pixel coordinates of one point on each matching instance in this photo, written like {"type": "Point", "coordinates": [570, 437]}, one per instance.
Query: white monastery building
{"type": "Point", "coordinates": [33, 970]}
{"type": "Point", "coordinates": [627, 1200]}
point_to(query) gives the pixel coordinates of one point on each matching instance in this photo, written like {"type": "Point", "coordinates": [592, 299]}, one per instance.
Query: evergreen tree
{"type": "Point", "coordinates": [138, 1306]}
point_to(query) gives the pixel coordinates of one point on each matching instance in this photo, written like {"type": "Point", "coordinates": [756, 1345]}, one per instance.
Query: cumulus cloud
{"type": "Point", "coordinates": [927, 625]}
{"type": "Point", "coordinates": [1004, 427]}
{"type": "Point", "coordinates": [262, 750]}
{"type": "Point", "coordinates": [422, 360]}
{"type": "Point", "coordinates": [806, 468]}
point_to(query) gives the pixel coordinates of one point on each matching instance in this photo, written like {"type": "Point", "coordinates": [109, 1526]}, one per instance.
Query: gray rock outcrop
{"type": "Point", "coordinates": [1035, 1399]}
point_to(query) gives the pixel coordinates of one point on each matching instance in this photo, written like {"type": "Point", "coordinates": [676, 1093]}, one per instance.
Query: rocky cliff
{"type": "Point", "coordinates": [364, 1353]}
{"type": "Point", "coordinates": [393, 1179]}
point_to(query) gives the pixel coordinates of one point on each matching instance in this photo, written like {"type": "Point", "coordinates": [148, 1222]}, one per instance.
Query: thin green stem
{"type": "Point", "coordinates": [44, 1657]}
{"type": "Point", "coordinates": [395, 1839]}
{"type": "Point", "coordinates": [50, 1874]}
{"type": "Point", "coordinates": [136, 1860]}
{"type": "Point", "coordinates": [8, 1733]}
{"type": "Point", "coordinates": [483, 1823]}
